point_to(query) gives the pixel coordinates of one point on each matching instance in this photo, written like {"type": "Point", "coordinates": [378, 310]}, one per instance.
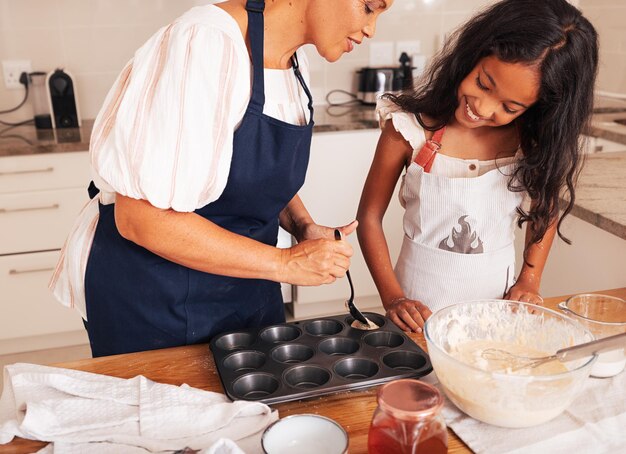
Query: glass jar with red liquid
{"type": "Point", "coordinates": [408, 420]}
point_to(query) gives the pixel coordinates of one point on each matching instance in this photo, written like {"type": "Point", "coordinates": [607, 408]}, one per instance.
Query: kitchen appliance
{"type": "Point", "coordinates": [62, 97]}
{"type": "Point", "coordinates": [372, 82]}
{"type": "Point", "coordinates": [315, 357]}
{"type": "Point", "coordinates": [39, 97]}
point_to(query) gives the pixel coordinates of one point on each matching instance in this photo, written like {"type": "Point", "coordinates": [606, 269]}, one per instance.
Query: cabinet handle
{"type": "Point", "coordinates": [54, 206]}
{"type": "Point", "coordinates": [36, 270]}
{"type": "Point", "coordinates": [21, 172]}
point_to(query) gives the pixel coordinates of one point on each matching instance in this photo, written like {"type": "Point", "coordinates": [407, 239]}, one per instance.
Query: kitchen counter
{"type": "Point", "coordinates": [603, 125]}
{"type": "Point", "coordinates": [600, 199]}
{"type": "Point", "coordinates": [601, 192]}
{"type": "Point", "coordinates": [194, 365]}
{"type": "Point", "coordinates": [27, 140]}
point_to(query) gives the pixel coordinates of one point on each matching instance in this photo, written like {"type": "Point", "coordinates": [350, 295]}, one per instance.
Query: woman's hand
{"type": "Point", "coordinates": [314, 231]}
{"type": "Point", "coordinates": [315, 262]}
{"type": "Point", "coordinates": [525, 292]}
{"type": "Point", "coordinates": [409, 315]}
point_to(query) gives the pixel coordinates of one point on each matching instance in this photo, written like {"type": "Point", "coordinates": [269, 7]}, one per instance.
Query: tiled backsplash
{"type": "Point", "coordinates": [93, 39]}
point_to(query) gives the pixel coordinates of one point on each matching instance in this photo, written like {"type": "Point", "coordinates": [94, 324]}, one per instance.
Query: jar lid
{"type": "Point", "coordinates": [409, 399]}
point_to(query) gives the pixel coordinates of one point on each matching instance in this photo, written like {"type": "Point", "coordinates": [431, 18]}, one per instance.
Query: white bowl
{"type": "Point", "coordinates": [505, 398]}
{"type": "Point", "coordinates": [305, 434]}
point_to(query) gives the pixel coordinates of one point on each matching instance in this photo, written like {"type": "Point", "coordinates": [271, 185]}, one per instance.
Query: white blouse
{"type": "Point", "coordinates": [165, 131]}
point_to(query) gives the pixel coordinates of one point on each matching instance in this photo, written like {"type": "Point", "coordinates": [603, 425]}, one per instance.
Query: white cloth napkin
{"type": "Point", "coordinates": [594, 423]}
{"type": "Point", "coordinates": [222, 446]}
{"type": "Point", "coordinates": [71, 407]}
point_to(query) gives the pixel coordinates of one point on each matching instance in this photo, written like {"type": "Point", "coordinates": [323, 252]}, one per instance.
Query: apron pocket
{"type": "Point", "coordinates": [439, 278]}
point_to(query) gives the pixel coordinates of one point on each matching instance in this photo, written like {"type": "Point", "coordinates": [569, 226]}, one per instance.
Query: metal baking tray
{"type": "Point", "coordinates": [314, 357]}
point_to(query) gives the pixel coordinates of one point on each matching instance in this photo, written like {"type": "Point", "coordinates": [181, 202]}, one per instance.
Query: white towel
{"type": "Point", "coordinates": [72, 407]}
{"type": "Point", "coordinates": [222, 446]}
{"type": "Point", "coordinates": [594, 423]}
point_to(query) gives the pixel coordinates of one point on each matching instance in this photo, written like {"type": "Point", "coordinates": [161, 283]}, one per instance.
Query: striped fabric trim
{"type": "Point", "coordinates": [59, 266]}
{"type": "Point", "coordinates": [221, 132]}
{"type": "Point", "coordinates": [135, 146]}
{"type": "Point", "coordinates": [101, 134]}
{"type": "Point", "coordinates": [192, 35]}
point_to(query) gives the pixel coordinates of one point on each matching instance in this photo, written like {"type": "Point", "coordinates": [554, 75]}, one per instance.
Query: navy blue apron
{"type": "Point", "coordinates": [139, 301]}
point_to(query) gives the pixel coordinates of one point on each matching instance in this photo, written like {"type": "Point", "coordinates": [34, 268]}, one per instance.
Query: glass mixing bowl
{"type": "Point", "coordinates": [604, 316]}
{"type": "Point", "coordinates": [505, 398]}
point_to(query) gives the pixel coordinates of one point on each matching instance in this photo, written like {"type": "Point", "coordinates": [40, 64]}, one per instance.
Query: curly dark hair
{"type": "Point", "coordinates": [553, 36]}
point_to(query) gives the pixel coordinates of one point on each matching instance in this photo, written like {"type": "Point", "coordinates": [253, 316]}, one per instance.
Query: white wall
{"type": "Point", "coordinates": [93, 39]}
{"type": "Point", "coordinates": [609, 18]}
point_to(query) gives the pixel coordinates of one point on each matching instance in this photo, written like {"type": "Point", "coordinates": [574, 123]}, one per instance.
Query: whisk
{"type": "Point", "coordinates": [565, 354]}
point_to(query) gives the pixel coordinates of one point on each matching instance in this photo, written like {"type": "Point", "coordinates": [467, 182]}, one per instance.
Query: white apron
{"type": "Point", "coordinates": [459, 236]}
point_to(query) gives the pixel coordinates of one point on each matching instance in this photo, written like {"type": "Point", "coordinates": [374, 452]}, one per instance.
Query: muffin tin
{"type": "Point", "coordinates": [314, 357]}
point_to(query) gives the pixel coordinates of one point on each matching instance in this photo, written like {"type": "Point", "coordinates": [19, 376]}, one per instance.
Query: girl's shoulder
{"type": "Point", "coordinates": [403, 122]}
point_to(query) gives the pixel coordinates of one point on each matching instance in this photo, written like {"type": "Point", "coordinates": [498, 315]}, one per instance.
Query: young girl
{"type": "Point", "coordinates": [498, 116]}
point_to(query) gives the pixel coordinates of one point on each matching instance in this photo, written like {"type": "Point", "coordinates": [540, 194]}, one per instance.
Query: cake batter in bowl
{"type": "Point", "coordinates": [490, 390]}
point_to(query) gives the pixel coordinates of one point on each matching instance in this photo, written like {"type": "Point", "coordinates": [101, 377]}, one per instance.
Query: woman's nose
{"type": "Point", "coordinates": [370, 28]}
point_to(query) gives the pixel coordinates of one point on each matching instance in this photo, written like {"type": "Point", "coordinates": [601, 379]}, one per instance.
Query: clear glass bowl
{"type": "Point", "coordinates": [502, 398]}
{"type": "Point", "coordinates": [604, 316]}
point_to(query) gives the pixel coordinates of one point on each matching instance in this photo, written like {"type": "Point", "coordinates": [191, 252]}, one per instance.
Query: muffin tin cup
{"type": "Point", "coordinates": [315, 357]}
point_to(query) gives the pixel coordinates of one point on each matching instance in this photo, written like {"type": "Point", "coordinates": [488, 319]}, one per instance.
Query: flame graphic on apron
{"type": "Point", "coordinates": [463, 239]}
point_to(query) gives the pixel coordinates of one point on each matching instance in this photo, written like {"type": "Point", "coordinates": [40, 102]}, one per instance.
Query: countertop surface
{"type": "Point", "coordinates": [603, 125]}
{"type": "Point", "coordinates": [26, 140]}
{"type": "Point", "coordinates": [194, 365]}
{"type": "Point", "coordinates": [600, 196]}
{"type": "Point", "coordinates": [601, 192]}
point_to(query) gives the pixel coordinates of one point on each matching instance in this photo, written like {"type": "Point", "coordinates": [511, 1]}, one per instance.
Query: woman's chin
{"type": "Point", "coordinates": [330, 55]}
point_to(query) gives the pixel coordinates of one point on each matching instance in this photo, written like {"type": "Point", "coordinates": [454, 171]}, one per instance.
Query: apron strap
{"type": "Point", "coordinates": [255, 10]}
{"type": "Point", "coordinates": [296, 70]}
{"type": "Point", "coordinates": [92, 190]}
{"type": "Point", "coordinates": [426, 156]}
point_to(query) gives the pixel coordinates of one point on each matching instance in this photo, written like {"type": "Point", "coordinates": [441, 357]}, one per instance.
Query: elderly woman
{"type": "Point", "coordinates": [198, 155]}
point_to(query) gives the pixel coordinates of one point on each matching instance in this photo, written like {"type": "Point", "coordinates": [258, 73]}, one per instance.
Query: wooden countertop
{"type": "Point", "coordinates": [194, 365]}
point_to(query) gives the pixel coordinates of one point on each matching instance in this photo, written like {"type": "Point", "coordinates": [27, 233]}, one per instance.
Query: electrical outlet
{"type": "Point", "coordinates": [12, 70]}
{"type": "Point", "coordinates": [381, 54]}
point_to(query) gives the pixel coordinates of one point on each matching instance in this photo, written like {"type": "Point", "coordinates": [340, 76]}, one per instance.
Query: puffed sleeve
{"type": "Point", "coordinates": [403, 122]}
{"type": "Point", "coordinates": [165, 132]}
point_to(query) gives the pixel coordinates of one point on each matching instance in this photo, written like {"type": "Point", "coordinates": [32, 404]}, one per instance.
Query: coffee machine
{"type": "Point", "coordinates": [372, 82]}
{"type": "Point", "coordinates": [63, 100]}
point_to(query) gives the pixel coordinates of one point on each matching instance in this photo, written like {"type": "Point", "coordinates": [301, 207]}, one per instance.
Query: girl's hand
{"type": "Point", "coordinates": [315, 262]}
{"type": "Point", "coordinates": [314, 231]}
{"type": "Point", "coordinates": [409, 315]}
{"type": "Point", "coordinates": [524, 292]}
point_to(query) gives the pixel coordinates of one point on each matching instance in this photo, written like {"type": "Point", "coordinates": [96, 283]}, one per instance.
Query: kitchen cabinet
{"type": "Point", "coordinates": [40, 198]}
{"type": "Point", "coordinates": [338, 167]}
{"type": "Point", "coordinates": [595, 259]}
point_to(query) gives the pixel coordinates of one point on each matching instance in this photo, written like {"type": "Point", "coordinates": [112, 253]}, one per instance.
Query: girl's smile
{"type": "Point", "coordinates": [470, 113]}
